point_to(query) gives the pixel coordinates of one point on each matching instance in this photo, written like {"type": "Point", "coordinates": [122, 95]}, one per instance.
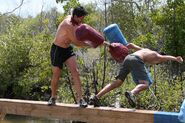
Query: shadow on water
{"type": "Point", "coordinates": [27, 119]}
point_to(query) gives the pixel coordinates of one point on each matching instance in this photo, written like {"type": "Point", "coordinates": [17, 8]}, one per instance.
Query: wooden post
{"type": "Point", "coordinates": [2, 115]}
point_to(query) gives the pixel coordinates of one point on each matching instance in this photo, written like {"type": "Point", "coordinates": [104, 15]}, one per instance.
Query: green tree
{"type": "Point", "coordinates": [172, 22]}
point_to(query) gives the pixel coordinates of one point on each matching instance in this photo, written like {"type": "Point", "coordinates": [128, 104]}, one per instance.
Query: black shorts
{"type": "Point", "coordinates": [59, 55]}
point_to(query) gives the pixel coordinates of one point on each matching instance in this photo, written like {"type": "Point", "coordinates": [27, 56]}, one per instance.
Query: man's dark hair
{"type": "Point", "coordinates": [79, 11]}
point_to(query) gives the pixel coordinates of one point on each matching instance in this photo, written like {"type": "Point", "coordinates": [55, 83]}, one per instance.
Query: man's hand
{"type": "Point", "coordinates": [106, 43]}
{"type": "Point", "coordinates": [179, 59]}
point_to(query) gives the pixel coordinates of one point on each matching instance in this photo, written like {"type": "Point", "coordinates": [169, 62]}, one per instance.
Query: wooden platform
{"type": "Point", "coordinates": [75, 113]}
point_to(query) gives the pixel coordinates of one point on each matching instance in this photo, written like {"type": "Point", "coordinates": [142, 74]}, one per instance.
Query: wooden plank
{"type": "Point", "coordinates": [74, 112]}
{"type": "Point", "coordinates": [2, 115]}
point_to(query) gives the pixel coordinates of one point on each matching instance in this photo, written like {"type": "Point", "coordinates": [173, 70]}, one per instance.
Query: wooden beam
{"type": "Point", "coordinates": [74, 112]}
{"type": "Point", "coordinates": [2, 115]}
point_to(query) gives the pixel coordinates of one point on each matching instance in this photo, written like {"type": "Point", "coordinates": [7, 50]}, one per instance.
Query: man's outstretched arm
{"type": "Point", "coordinates": [164, 58]}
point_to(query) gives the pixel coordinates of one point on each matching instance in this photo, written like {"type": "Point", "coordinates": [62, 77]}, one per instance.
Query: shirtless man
{"type": "Point", "coordinates": [62, 53]}
{"type": "Point", "coordinates": [135, 63]}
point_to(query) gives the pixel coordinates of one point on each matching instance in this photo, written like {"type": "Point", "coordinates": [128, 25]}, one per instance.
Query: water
{"type": "Point", "coordinates": [28, 119]}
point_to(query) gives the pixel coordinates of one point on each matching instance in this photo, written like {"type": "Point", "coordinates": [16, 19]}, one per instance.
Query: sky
{"type": "Point", "coordinates": [31, 7]}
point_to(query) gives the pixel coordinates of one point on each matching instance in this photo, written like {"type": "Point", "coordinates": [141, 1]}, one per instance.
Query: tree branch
{"type": "Point", "coordinates": [22, 1]}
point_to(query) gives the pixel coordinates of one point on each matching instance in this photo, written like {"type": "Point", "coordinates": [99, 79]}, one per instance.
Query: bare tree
{"type": "Point", "coordinates": [22, 1]}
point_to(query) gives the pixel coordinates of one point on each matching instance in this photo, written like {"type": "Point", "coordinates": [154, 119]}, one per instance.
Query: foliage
{"type": "Point", "coordinates": [16, 46]}
{"type": "Point", "coordinates": [69, 4]}
{"type": "Point", "coordinates": [173, 22]}
{"type": "Point", "coordinates": [21, 62]}
{"type": "Point", "coordinates": [147, 40]}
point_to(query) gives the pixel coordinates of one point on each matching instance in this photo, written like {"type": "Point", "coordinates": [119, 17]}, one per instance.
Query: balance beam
{"type": "Point", "coordinates": [90, 114]}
